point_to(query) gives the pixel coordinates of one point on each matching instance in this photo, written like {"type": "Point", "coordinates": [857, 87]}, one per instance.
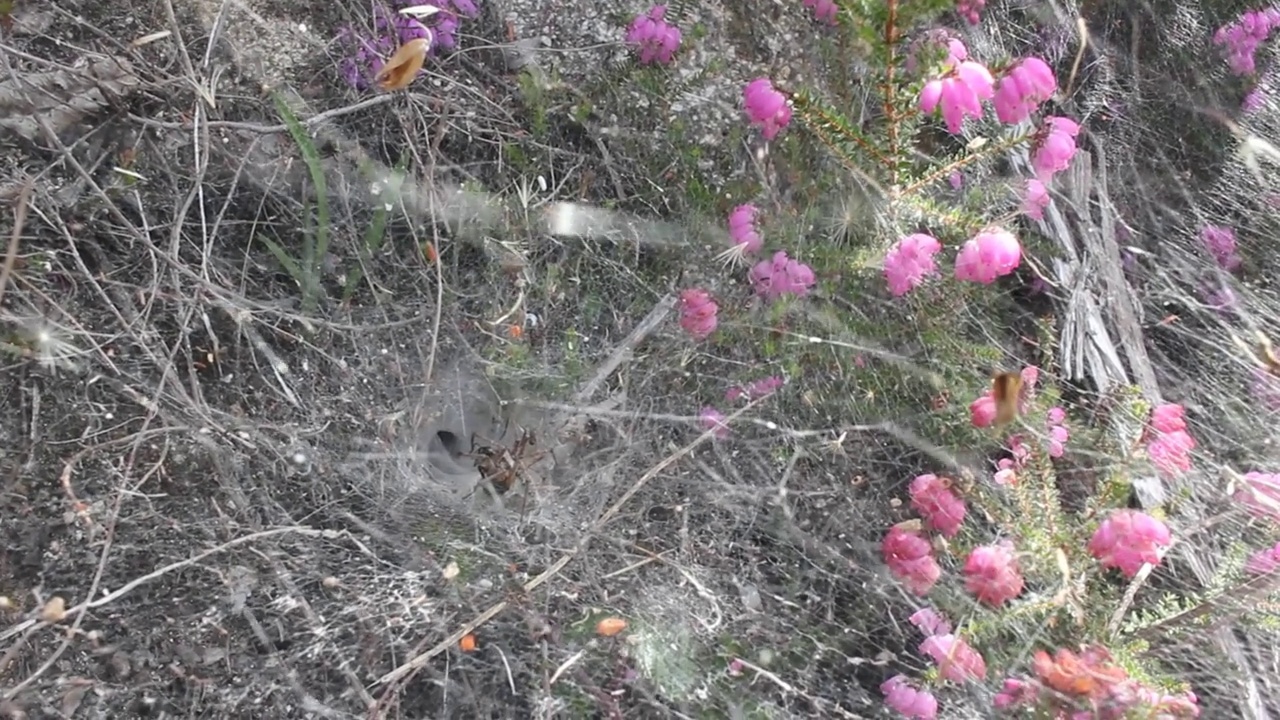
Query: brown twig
{"type": "Point", "coordinates": [19, 220]}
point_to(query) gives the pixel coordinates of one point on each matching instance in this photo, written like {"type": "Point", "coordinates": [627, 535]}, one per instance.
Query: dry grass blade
{"type": "Point", "coordinates": [403, 66]}
{"type": "Point", "coordinates": [19, 220]}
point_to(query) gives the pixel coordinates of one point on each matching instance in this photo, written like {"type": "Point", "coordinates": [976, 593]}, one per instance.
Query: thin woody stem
{"type": "Point", "coordinates": [961, 163]}
{"type": "Point", "coordinates": [890, 113]}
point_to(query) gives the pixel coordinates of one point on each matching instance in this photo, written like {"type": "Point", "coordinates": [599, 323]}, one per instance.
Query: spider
{"type": "Point", "coordinates": [503, 467]}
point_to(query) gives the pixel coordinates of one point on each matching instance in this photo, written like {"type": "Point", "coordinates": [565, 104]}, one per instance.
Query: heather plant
{"type": "Point", "coordinates": [1040, 588]}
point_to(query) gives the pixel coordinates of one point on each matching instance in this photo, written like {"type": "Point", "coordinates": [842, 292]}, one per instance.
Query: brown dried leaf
{"type": "Point", "coordinates": [403, 65]}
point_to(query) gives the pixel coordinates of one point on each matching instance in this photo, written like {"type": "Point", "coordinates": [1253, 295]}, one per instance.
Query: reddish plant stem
{"type": "Point", "coordinates": [890, 114]}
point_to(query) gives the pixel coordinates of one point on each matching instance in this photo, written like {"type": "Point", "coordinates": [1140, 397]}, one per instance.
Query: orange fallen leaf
{"type": "Point", "coordinates": [403, 65]}
{"type": "Point", "coordinates": [429, 250]}
{"type": "Point", "coordinates": [515, 331]}
{"type": "Point", "coordinates": [610, 626]}
{"type": "Point", "coordinates": [468, 642]}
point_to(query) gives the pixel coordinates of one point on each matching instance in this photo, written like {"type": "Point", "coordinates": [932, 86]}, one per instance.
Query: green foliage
{"type": "Point", "coordinates": [306, 270]}
{"type": "Point", "coordinates": [388, 196]}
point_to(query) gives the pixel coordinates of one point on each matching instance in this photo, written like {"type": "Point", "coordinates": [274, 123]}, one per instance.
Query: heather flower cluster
{"type": "Point", "coordinates": [781, 276]}
{"type": "Point", "coordinates": [955, 659]}
{"type": "Point", "coordinates": [654, 39]}
{"type": "Point", "coordinates": [970, 9]}
{"type": "Point", "coordinates": [1056, 422]}
{"type": "Point", "coordinates": [990, 254]}
{"type": "Point", "coordinates": [1240, 40]}
{"type": "Point", "coordinates": [698, 313]}
{"type": "Point", "coordinates": [909, 262]}
{"type": "Point", "coordinates": [940, 508]}
{"type": "Point", "coordinates": [391, 29]}
{"type": "Point", "coordinates": [1089, 684]}
{"type": "Point", "coordinates": [1169, 446]}
{"type": "Point", "coordinates": [910, 558]}
{"type": "Point", "coordinates": [991, 574]}
{"type": "Point", "coordinates": [1129, 539]}
{"type": "Point", "coordinates": [910, 702]}
{"type": "Point", "coordinates": [766, 107]}
{"type": "Point", "coordinates": [957, 90]}
{"type": "Point", "coordinates": [743, 232]}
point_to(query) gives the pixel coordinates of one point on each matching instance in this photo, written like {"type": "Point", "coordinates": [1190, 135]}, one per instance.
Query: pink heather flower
{"type": "Point", "coordinates": [1161, 706]}
{"type": "Point", "coordinates": [907, 701]}
{"type": "Point", "coordinates": [991, 574]}
{"type": "Point", "coordinates": [697, 313]}
{"type": "Point", "coordinates": [1005, 477]}
{"type": "Point", "coordinates": [1128, 539]}
{"type": "Point", "coordinates": [1015, 693]}
{"type": "Point", "coordinates": [990, 254]}
{"type": "Point", "coordinates": [1169, 418]}
{"type": "Point", "coordinates": [766, 107]}
{"type": "Point", "coordinates": [956, 179]}
{"type": "Point", "coordinates": [1240, 39]}
{"type": "Point", "coordinates": [969, 9]}
{"type": "Point", "coordinates": [712, 419]}
{"type": "Point", "coordinates": [909, 262]}
{"type": "Point", "coordinates": [930, 622]}
{"type": "Point", "coordinates": [959, 93]}
{"type": "Point", "coordinates": [1263, 562]}
{"type": "Point", "coordinates": [1171, 452]}
{"type": "Point", "coordinates": [1220, 241]}
{"type": "Point", "coordinates": [823, 10]}
{"type": "Point", "coordinates": [1022, 89]}
{"type": "Point", "coordinates": [1055, 146]}
{"type": "Point", "coordinates": [1030, 376]}
{"type": "Point", "coordinates": [755, 389]}
{"type": "Point", "coordinates": [956, 661]}
{"type": "Point", "coordinates": [982, 412]}
{"type": "Point", "coordinates": [910, 558]}
{"type": "Point", "coordinates": [1058, 433]}
{"type": "Point", "coordinates": [781, 276]}
{"type": "Point", "coordinates": [654, 38]}
{"type": "Point", "coordinates": [1170, 448]}
{"type": "Point", "coordinates": [1035, 199]}
{"type": "Point", "coordinates": [742, 228]}
{"type": "Point", "coordinates": [1260, 493]}
{"type": "Point", "coordinates": [940, 508]}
